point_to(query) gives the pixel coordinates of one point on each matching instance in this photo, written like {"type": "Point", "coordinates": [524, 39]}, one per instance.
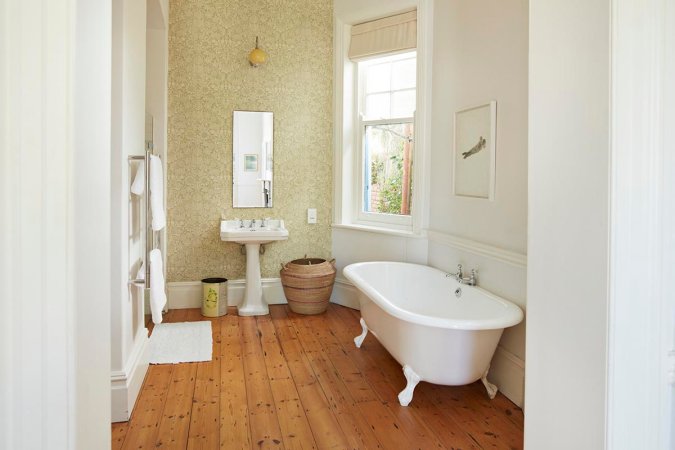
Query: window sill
{"type": "Point", "coordinates": [380, 230]}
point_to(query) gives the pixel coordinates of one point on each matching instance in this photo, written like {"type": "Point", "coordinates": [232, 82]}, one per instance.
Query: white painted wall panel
{"type": "Point", "coordinates": [568, 224]}
{"type": "Point", "coordinates": [480, 54]}
{"type": "Point", "coordinates": [352, 245]}
{"type": "Point", "coordinates": [54, 216]}
{"type": "Point", "coordinates": [128, 138]}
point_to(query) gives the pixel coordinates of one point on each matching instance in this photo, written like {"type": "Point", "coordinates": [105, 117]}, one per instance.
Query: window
{"type": "Point", "coordinates": [386, 99]}
{"type": "Point", "coordinates": [382, 132]}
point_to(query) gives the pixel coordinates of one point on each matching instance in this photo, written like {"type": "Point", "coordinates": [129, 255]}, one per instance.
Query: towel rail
{"type": "Point", "coordinates": [149, 236]}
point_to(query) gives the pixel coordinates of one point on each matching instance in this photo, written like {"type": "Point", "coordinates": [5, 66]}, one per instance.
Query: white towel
{"type": "Point", "coordinates": [157, 193]}
{"type": "Point", "coordinates": [138, 186]}
{"type": "Point", "coordinates": [157, 293]}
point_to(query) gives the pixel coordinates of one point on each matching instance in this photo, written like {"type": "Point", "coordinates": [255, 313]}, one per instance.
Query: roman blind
{"type": "Point", "coordinates": [387, 35]}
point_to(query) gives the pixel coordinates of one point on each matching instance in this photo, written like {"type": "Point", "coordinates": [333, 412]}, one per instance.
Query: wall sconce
{"type": "Point", "coordinates": [257, 57]}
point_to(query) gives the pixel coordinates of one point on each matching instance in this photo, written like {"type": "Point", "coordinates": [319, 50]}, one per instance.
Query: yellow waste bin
{"type": "Point", "coordinates": [214, 302]}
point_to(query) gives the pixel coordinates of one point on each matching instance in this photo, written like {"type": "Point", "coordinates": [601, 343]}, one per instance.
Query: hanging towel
{"type": "Point", "coordinates": [141, 272]}
{"type": "Point", "coordinates": [157, 293]}
{"type": "Point", "coordinates": [138, 186]}
{"type": "Point", "coordinates": [157, 193]}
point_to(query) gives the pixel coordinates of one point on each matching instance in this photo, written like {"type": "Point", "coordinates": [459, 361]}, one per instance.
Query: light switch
{"type": "Point", "coordinates": [311, 215]}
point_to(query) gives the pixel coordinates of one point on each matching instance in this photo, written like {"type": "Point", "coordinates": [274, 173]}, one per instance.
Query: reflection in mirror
{"type": "Point", "coordinates": [252, 143]}
{"type": "Point", "coordinates": [148, 130]}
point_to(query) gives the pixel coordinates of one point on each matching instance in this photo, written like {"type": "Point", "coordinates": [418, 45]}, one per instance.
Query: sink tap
{"type": "Point", "coordinates": [252, 224]}
{"type": "Point", "coordinates": [241, 223]}
{"type": "Point", "coordinates": [263, 223]}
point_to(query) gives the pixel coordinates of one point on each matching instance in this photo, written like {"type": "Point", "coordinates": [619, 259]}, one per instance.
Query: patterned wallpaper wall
{"type": "Point", "coordinates": [209, 78]}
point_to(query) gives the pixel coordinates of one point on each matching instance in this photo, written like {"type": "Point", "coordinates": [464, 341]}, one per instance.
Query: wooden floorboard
{"type": "Point", "coordinates": [293, 422]}
{"type": "Point", "coordinates": [175, 424]}
{"type": "Point", "coordinates": [264, 422]}
{"type": "Point", "coordinates": [234, 427]}
{"type": "Point", "coordinates": [319, 411]}
{"type": "Point", "coordinates": [298, 382]}
{"type": "Point", "coordinates": [205, 423]}
{"type": "Point", "coordinates": [149, 408]}
{"type": "Point", "coordinates": [358, 432]}
{"type": "Point", "coordinates": [119, 432]}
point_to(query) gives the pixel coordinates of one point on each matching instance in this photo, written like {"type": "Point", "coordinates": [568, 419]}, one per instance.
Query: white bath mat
{"type": "Point", "coordinates": [172, 343]}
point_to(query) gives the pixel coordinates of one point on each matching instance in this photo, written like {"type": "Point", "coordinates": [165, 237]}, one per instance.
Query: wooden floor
{"type": "Point", "coordinates": [292, 381]}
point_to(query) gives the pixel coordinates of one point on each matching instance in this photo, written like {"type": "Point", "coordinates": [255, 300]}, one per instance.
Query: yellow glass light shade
{"type": "Point", "coordinates": [257, 56]}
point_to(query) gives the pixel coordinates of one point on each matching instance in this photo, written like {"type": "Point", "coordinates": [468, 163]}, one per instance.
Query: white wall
{"type": "Point", "coordinates": [568, 224]}
{"type": "Point", "coordinates": [480, 54]}
{"type": "Point", "coordinates": [54, 233]}
{"type": "Point", "coordinates": [128, 332]}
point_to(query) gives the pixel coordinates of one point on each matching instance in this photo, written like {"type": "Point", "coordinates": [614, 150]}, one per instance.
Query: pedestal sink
{"type": "Point", "coordinates": [253, 234]}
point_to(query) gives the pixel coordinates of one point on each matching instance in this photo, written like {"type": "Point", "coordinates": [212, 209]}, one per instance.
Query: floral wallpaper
{"type": "Point", "coordinates": [209, 78]}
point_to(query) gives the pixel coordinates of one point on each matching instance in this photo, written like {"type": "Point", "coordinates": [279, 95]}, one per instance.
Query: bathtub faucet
{"type": "Point", "coordinates": [457, 276]}
{"type": "Point", "coordinates": [472, 280]}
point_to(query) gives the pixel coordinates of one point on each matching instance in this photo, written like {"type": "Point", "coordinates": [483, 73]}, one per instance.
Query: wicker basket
{"type": "Point", "coordinates": [308, 283]}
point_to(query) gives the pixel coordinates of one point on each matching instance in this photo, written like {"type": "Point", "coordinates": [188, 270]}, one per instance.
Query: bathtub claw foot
{"type": "Point", "coordinates": [358, 340]}
{"type": "Point", "coordinates": [406, 395]}
{"type": "Point", "coordinates": [491, 388]}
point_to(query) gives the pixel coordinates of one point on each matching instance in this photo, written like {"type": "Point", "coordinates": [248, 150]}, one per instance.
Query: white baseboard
{"type": "Point", "coordinates": [188, 294]}
{"type": "Point", "coordinates": [345, 294]}
{"type": "Point", "coordinates": [507, 371]}
{"type": "Point", "coordinates": [126, 384]}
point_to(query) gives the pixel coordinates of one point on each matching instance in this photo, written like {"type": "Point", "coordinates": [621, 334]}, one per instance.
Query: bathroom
{"type": "Point", "coordinates": [555, 232]}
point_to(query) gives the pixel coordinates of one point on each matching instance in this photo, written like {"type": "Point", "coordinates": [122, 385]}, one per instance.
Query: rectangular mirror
{"type": "Point", "coordinates": [252, 144]}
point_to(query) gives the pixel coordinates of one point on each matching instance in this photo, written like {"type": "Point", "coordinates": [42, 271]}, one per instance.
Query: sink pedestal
{"type": "Point", "coordinates": [253, 304]}
{"type": "Point", "coordinates": [253, 237]}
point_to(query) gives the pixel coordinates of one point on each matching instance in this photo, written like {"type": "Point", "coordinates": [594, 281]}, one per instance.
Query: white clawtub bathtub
{"type": "Point", "coordinates": [440, 331]}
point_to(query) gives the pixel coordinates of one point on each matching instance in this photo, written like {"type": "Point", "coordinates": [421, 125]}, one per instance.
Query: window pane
{"type": "Point", "coordinates": [388, 168]}
{"type": "Point", "coordinates": [377, 106]}
{"type": "Point", "coordinates": [378, 78]}
{"type": "Point", "coordinates": [403, 74]}
{"type": "Point", "coordinates": [403, 103]}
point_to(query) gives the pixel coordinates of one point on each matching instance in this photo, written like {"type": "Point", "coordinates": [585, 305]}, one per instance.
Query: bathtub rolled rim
{"type": "Point", "coordinates": [513, 314]}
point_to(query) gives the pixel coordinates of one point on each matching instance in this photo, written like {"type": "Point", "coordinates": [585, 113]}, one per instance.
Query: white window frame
{"type": "Point", "coordinates": [347, 150]}
{"type": "Point", "coordinates": [397, 221]}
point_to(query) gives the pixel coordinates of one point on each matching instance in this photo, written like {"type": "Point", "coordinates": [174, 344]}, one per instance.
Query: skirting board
{"type": "Point", "coordinates": [507, 370]}
{"type": "Point", "coordinates": [188, 294]}
{"type": "Point", "coordinates": [345, 294]}
{"type": "Point", "coordinates": [126, 384]}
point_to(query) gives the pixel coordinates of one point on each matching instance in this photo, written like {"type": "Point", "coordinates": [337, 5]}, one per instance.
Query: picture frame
{"type": "Point", "coordinates": [250, 162]}
{"type": "Point", "coordinates": [474, 162]}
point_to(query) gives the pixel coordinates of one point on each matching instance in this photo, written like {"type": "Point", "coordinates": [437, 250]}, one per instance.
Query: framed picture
{"type": "Point", "coordinates": [250, 162]}
{"type": "Point", "coordinates": [474, 151]}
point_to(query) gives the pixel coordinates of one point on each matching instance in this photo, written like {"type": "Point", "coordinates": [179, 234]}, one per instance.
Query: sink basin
{"type": "Point", "coordinates": [252, 238]}
{"type": "Point", "coordinates": [274, 230]}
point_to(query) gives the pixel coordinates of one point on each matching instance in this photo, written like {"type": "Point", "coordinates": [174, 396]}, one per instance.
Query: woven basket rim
{"type": "Point", "coordinates": [306, 261]}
